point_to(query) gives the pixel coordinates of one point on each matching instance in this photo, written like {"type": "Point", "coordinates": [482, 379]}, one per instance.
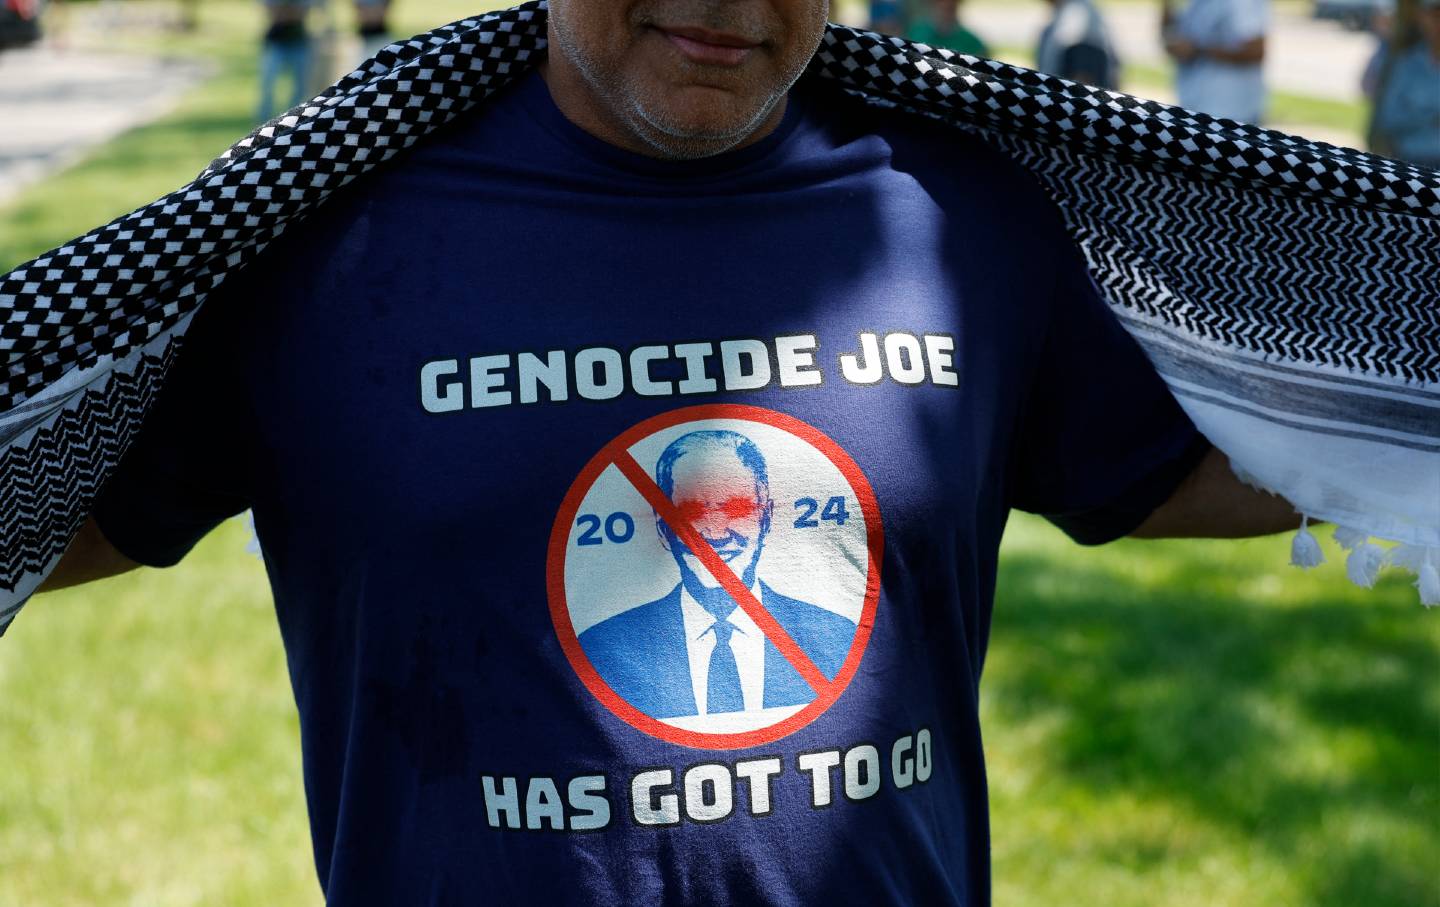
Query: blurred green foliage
{"type": "Point", "coordinates": [1168, 724]}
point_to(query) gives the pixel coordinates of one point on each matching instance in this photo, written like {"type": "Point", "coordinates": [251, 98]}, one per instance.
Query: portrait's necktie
{"type": "Point", "coordinates": [724, 688]}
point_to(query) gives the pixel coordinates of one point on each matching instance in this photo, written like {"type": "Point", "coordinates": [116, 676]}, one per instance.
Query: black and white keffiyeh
{"type": "Point", "coordinates": [1288, 291]}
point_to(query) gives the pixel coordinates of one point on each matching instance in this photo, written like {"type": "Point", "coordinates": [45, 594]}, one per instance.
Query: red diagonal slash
{"type": "Point", "coordinates": [726, 577]}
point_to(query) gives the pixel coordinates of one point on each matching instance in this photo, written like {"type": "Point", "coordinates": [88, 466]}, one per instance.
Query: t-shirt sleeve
{"type": "Point", "coordinates": [1101, 442]}
{"type": "Point", "coordinates": [186, 471]}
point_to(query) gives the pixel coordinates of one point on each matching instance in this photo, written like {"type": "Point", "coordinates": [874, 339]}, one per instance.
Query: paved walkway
{"type": "Point", "coordinates": [55, 105]}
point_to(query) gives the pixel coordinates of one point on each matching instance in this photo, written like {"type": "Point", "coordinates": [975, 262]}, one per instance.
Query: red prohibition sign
{"type": "Point", "coordinates": [617, 453]}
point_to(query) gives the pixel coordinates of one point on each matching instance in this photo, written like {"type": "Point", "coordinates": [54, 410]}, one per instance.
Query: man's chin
{"type": "Point", "coordinates": [680, 130]}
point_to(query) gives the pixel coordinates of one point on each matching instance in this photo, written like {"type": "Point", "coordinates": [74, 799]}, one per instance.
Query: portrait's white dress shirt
{"type": "Point", "coordinates": [747, 642]}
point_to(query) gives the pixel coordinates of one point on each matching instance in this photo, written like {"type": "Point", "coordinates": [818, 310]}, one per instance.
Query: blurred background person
{"type": "Point", "coordinates": [1382, 26]}
{"type": "Point", "coordinates": [19, 23]}
{"type": "Point", "coordinates": [888, 16]}
{"type": "Point", "coordinates": [285, 51]}
{"type": "Point", "coordinates": [1075, 44]}
{"type": "Point", "coordinates": [1219, 49]}
{"type": "Point", "coordinates": [1405, 121]}
{"type": "Point", "coordinates": [942, 26]}
{"type": "Point", "coordinates": [373, 26]}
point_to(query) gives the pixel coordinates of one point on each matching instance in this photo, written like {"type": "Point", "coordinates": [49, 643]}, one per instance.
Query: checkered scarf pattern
{"type": "Point", "coordinates": [1244, 260]}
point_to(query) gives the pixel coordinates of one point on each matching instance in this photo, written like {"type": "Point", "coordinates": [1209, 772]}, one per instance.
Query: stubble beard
{"type": "Point", "coordinates": [622, 100]}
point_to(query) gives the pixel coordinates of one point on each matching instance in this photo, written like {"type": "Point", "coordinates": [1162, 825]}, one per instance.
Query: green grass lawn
{"type": "Point", "coordinates": [1198, 723]}
{"type": "Point", "coordinates": [1167, 723]}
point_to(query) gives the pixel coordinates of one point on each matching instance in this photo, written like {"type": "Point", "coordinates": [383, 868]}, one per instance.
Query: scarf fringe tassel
{"type": "Point", "coordinates": [1366, 559]}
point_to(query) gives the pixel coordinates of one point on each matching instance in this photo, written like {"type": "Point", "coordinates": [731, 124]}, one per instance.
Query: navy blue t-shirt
{"type": "Point", "coordinates": [632, 524]}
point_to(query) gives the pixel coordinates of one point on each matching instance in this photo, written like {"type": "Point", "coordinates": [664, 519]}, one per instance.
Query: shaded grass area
{"type": "Point", "coordinates": [1168, 724]}
{"type": "Point", "coordinates": [1196, 723]}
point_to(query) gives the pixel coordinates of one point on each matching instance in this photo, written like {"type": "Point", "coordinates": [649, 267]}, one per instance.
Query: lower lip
{"type": "Point", "coordinates": [709, 54]}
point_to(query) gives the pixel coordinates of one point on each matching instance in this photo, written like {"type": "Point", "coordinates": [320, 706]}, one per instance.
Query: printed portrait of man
{"type": "Point", "coordinates": [695, 651]}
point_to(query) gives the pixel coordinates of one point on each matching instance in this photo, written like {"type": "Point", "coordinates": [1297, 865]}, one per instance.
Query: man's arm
{"type": "Point", "coordinates": [1184, 50]}
{"type": "Point", "coordinates": [90, 557]}
{"type": "Point", "coordinates": [1212, 503]}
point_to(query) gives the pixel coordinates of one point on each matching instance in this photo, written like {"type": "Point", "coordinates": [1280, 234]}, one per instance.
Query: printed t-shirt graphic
{"type": "Point", "coordinates": [714, 574]}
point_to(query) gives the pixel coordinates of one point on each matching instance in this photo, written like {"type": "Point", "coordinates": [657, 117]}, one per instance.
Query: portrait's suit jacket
{"type": "Point", "coordinates": [641, 653]}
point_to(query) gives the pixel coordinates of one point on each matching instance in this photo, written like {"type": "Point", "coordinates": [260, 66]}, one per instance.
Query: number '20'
{"type": "Point", "coordinates": [619, 528]}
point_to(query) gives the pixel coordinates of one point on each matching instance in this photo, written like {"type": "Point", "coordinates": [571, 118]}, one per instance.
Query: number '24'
{"type": "Point", "coordinates": [834, 512]}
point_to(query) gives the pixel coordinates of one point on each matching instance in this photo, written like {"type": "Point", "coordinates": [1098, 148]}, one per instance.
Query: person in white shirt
{"type": "Point", "coordinates": [1219, 47]}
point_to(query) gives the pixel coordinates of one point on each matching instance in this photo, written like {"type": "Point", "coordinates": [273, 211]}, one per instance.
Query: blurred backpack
{"type": "Point", "coordinates": [1076, 45]}
{"type": "Point", "coordinates": [1090, 63]}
